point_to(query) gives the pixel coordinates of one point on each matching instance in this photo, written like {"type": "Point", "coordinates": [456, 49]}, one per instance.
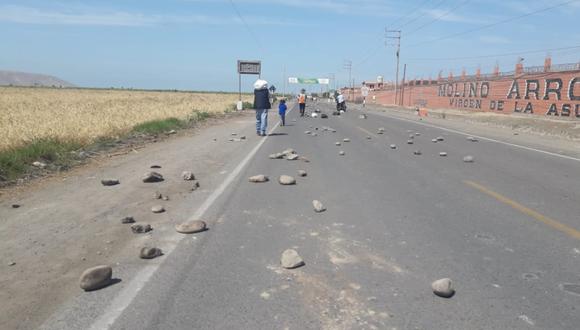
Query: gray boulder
{"type": "Point", "coordinates": [96, 278]}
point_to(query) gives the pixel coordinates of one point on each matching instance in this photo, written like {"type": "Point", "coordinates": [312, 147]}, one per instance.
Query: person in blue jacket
{"type": "Point", "coordinates": [282, 111]}
{"type": "Point", "coordinates": [261, 104]}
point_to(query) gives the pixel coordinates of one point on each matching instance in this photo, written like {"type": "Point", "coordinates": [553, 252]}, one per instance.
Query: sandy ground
{"type": "Point", "coordinates": [67, 223]}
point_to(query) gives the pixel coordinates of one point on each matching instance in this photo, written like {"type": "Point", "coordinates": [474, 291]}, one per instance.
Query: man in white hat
{"type": "Point", "coordinates": [261, 104]}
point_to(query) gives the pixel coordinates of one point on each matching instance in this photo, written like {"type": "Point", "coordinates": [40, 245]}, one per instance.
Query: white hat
{"type": "Point", "coordinates": [260, 84]}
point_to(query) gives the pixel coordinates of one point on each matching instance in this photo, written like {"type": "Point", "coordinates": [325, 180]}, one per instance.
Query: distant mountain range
{"type": "Point", "coordinates": [14, 78]}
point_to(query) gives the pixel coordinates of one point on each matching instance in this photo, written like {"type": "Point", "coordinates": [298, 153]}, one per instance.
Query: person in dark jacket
{"type": "Point", "coordinates": [261, 104]}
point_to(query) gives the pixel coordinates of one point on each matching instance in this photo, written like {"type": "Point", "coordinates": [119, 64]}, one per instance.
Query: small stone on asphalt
{"type": "Point", "coordinates": [15, 206]}
{"type": "Point", "coordinates": [302, 173]}
{"type": "Point", "coordinates": [150, 253]}
{"type": "Point", "coordinates": [291, 259]}
{"type": "Point", "coordinates": [318, 206]}
{"type": "Point", "coordinates": [258, 178]}
{"type": "Point", "coordinates": [346, 140]}
{"type": "Point", "coordinates": [187, 176]}
{"type": "Point", "coordinates": [286, 180]}
{"type": "Point", "coordinates": [342, 153]}
{"type": "Point", "coordinates": [468, 159]}
{"type": "Point", "coordinates": [337, 143]}
{"type": "Point", "coordinates": [96, 278]}
{"type": "Point", "coordinates": [417, 152]}
{"type": "Point", "coordinates": [157, 209]}
{"type": "Point", "coordinates": [152, 177]}
{"type": "Point", "coordinates": [126, 220]}
{"type": "Point", "coordinates": [393, 146]}
{"type": "Point", "coordinates": [110, 182]}
{"type": "Point", "coordinates": [141, 229]}
{"type": "Point", "coordinates": [443, 154]}
{"type": "Point", "coordinates": [292, 156]}
{"type": "Point", "coordinates": [443, 288]}
{"type": "Point", "coordinates": [191, 227]}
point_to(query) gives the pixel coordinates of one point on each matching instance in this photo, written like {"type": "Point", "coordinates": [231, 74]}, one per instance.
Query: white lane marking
{"type": "Point", "coordinates": [128, 294]}
{"type": "Point", "coordinates": [486, 138]}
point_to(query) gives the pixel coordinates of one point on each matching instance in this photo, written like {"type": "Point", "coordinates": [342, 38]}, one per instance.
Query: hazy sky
{"type": "Point", "coordinates": [194, 44]}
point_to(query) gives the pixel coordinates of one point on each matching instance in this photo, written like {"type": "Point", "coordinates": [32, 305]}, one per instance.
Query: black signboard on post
{"type": "Point", "coordinates": [247, 67]}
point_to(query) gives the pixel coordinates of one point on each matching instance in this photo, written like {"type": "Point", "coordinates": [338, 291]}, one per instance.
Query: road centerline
{"type": "Point", "coordinates": [572, 232]}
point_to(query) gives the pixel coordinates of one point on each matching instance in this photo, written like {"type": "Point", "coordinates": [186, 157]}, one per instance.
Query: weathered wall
{"type": "Point", "coordinates": [547, 93]}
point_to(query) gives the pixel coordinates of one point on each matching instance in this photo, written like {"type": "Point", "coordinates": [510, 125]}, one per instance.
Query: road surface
{"type": "Point", "coordinates": [504, 228]}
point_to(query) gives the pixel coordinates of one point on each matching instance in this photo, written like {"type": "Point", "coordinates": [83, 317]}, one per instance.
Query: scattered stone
{"type": "Point", "coordinates": [195, 185]}
{"type": "Point", "coordinates": [258, 178]}
{"type": "Point", "coordinates": [157, 195]}
{"type": "Point", "coordinates": [409, 141]}
{"type": "Point", "coordinates": [165, 197]}
{"type": "Point", "coordinates": [342, 153]}
{"type": "Point", "coordinates": [152, 177]}
{"type": "Point", "coordinates": [363, 116]}
{"type": "Point", "coordinates": [472, 139]}
{"type": "Point", "coordinates": [141, 229]}
{"type": "Point", "coordinates": [96, 278]}
{"type": "Point", "coordinates": [307, 132]}
{"type": "Point", "coordinates": [411, 136]}
{"type": "Point", "coordinates": [302, 173]}
{"type": "Point", "coordinates": [191, 227]}
{"type": "Point", "coordinates": [15, 206]}
{"type": "Point", "coordinates": [234, 134]}
{"type": "Point", "coordinates": [393, 146]}
{"type": "Point", "coordinates": [286, 180]}
{"type": "Point", "coordinates": [417, 152]}
{"type": "Point", "coordinates": [443, 288]}
{"type": "Point", "coordinates": [278, 155]}
{"type": "Point", "coordinates": [468, 159]}
{"type": "Point", "coordinates": [127, 220]}
{"type": "Point", "coordinates": [187, 176]}
{"type": "Point", "coordinates": [304, 159]}
{"type": "Point", "coordinates": [434, 140]}
{"type": "Point", "coordinates": [516, 133]}
{"type": "Point", "coordinates": [324, 116]}
{"type": "Point", "coordinates": [230, 140]}
{"type": "Point", "coordinates": [171, 132]}
{"type": "Point", "coordinates": [155, 166]}
{"type": "Point", "coordinates": [292, 157]}
{"type": "Point", "coordinates": [291, 259]}
{"type": "Point", "coordinates": [337, 143]}
{"type": "Point", "coordinates": [288, 152]}
{"type": "Point", "coordinates": [368, 137]}
{"type": "Point", "coordinates": [417, 134]}
{"type": "Point", "coordinates": [380, 132]}
{"type": "Point", "coordinates": [318, 206]}
{"type": "Point", "coordinates": [346, 140]}
{"type": "Point", "coordinates": [110, 182]}
{"type": "Point", "coordinates": [443, 154]}
{"type": "Point", "coordinates": [243, 137]}
{"type": "Point", "coordinates": [39, 164]}
{"type": "Point", "coordinates": [150, 253]}
{"type": "Point", "coordinates": [294, 120]}
{"type": "Point", "coordinates": [440, 138]}
{"type": "Point", "coordinates": [314, 134]}
{"type": "Point", "coordinates": [157, 209]}
{"type": "Point", "coordinates": [381, 129]}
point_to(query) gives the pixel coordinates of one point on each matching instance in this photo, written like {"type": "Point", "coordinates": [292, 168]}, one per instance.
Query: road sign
{"type": "Point", "coordinates": [310, 81]}
{"type": "Point", "coordinates": [365, 91]}
{"type": "Point", "coordinates": [249, 67]}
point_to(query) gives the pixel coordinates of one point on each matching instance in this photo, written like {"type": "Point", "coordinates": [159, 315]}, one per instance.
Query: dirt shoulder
{"type": "Point", "coordinates": [550, 134]}
{"type": "Point", "coordinates": [68, 222]}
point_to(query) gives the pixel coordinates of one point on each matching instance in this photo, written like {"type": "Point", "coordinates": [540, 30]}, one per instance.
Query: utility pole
{"type": "Point", "coordinates": [396, 35]}
{"type": "Point", "coordinates": [284, 80]}
{"type": "Point", "coordinates": [403, 87]}
{"type": "Point", "coordinates": [348, 66]}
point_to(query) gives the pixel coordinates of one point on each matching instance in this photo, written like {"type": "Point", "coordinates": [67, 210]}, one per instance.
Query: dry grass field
{"type": "Point", "coordinates": [81, 116]}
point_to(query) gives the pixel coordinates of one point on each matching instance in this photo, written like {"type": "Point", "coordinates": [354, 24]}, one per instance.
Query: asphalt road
{"type": "Point", "coordinates": [504, 228]}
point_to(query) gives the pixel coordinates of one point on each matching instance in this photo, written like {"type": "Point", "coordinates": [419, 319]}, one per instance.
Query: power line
{"type": "Point", "coordinates": [496, 55]}
{"type": "Point", "coordinates": [496, 23]}
{"type": "Point", "coordinates": [256, 40]}
{"type": "Point", "coordinates": [439, 17]}
{"type": "Point", "coordinates": [421, 16]}
{"type": "Point", "coordinates": [410, 13]}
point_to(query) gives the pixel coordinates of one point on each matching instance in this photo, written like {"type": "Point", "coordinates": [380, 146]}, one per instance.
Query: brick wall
{"type": "Point", "coordinates": [543, 93]}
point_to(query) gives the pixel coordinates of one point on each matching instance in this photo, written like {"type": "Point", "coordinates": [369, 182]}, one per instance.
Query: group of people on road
{"type": "Point", "coordinates": [262, 104]}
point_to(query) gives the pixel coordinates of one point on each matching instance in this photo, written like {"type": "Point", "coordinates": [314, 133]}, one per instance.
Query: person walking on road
{"type": "Point", "coordinates": [282, 111]}
{"type": "Point", "coordinates": [261, 104]}
{"type": "Point", "coordinates": [302, 102]}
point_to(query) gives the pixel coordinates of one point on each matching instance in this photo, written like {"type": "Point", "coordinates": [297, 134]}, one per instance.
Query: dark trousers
{"type": "Point", "coordinates": [283, 118]}
{"type": "Point", "coordinates": [302, 108]}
